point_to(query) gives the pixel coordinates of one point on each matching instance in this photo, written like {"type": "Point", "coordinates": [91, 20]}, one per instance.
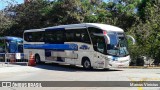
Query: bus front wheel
{"type": "Point", "coordinates": [86, 64]}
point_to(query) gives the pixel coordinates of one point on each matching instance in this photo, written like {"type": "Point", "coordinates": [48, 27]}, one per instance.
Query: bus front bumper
{"type": "Point", "coordinates": [116, 64]}
{"type": "Point", "coordinates": [104, 64]}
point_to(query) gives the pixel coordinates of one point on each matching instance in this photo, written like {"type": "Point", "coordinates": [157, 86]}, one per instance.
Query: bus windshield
{"type": "Point", "coordinates": [118, 44]}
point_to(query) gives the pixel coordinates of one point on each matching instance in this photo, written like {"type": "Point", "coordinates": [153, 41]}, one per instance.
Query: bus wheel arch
{"type": "Point", "coordinates": [86, 63]}
{"type": "Point", "coordinates": [37, 59]}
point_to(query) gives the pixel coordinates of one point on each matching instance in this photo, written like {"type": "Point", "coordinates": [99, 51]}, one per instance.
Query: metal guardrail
{"type": "Point", "coordinates": [2, 57]}
{"type": "Point", "coordinates": [13, 58]}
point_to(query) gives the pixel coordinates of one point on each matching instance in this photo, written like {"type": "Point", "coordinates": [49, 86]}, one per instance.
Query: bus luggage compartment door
{"type": "Point", "coordinates": [71, 56]}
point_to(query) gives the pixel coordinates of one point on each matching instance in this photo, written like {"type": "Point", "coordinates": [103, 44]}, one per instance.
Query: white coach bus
{"type": "Point", "coordinates": [87, 44]}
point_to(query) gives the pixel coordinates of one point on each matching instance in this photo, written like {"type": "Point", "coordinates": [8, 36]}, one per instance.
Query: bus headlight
{"type": "Point", "coordinates": [110, 60]}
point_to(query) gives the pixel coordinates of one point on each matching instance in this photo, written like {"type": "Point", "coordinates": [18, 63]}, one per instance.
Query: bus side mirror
{"type": "Point", "coordinates": [132, 38]}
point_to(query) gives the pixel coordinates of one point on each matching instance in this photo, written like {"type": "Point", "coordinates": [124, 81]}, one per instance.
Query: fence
{"type": "Point", "coordinates": [13, 58]}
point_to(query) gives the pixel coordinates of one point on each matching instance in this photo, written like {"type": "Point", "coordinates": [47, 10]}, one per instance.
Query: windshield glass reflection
{"type": "Point", "coordinates": [118, 44]}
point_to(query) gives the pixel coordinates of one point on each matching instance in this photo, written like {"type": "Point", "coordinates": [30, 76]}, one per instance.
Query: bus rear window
{"type": "Point", "coordinates": [34, 36]}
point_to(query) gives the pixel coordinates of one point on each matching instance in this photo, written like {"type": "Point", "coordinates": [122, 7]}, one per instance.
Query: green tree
{"type": "Point", "coordinates": [123, 12]}
{"type": "Point", "coordinates": [147, 32]}
{"type": "Point", "coordinates": [66, 12]}
{"type": "Point", "coordinates": [26, 16]}
{"type": "Point", "coordinates": [5, 22]}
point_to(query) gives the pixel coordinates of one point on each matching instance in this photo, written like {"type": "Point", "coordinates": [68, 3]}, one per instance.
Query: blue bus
{"type": "Point", "coordinates": [10, 44]}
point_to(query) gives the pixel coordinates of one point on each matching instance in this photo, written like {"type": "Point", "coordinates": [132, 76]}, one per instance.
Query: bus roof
{"type": "Point", "coordinates": [11, 38]}
{"type": "Point", "coordinates": [105, 27]}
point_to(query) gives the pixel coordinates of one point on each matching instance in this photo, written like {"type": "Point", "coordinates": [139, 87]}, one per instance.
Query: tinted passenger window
{"type": "Point", "coordinates": [99, 44]}
{"type": "Point", "coordinates": [34, 36]}
{"type": "Point", "coordinates": [70, 36]}
{"type": "Point", "coordinates": [28, 36]}
{"type": "Point", "coordinates": [77, 35]}
{"type": "Point", "coordinates": [54, 36]}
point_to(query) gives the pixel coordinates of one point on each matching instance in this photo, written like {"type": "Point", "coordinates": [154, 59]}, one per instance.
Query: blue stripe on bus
{"type": "Point", "coordinates": [52, 46]}
{"type": "Point", "coordinates": [50, 29]}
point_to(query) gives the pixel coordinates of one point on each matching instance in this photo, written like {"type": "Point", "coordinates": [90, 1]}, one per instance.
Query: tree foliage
{"type": "Point", "coordinates": [27, 16]}
{"type": "Point", "coordinates": [5, 22]}
{"type": "Point", "coordinates": [147, 31]}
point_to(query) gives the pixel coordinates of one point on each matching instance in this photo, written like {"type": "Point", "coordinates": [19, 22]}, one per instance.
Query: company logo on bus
{"type": "Point", "coordinates": [84, 47]}
{"type": "Point", "coordinates": [73, 46]}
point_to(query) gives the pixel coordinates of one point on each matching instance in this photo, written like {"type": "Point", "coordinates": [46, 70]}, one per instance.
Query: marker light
{"type": "Point", "coordinates": [104, 32]}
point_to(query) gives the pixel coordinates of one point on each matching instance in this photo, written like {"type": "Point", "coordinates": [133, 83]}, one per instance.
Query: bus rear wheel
{"type": "Point", "coordinates": [86, 64]}
{"type": "Point", "coordinates": [37, 59]}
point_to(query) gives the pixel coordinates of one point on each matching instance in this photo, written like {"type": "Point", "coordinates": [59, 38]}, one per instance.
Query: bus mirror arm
{"type": "Point", "coordinates": [102, 35]}
{"type": "Point", "coordinates": [107, 39]}
{"type": "Point", "coordinates": [131, 37]}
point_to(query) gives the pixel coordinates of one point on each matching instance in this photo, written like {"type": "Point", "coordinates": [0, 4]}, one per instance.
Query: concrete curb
{"type": "Point", "coordinates": [145, 67]}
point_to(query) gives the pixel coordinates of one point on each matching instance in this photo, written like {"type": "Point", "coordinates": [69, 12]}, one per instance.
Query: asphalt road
{"type": "Point", "coordinates": [54, 72]}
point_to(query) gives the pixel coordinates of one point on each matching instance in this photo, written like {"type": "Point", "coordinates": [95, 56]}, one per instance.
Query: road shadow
{"type": "Point", "coordinates": [70, 68]}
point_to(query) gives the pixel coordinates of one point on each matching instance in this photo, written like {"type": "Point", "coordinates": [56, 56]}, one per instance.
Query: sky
{"type": "Point", "coordinates": [4, 3]}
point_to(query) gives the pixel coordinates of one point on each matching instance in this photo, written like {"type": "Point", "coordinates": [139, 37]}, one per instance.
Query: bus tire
{"type": "Point", "coordinates": [86, 63]}
{"type": "Point", "coordinates": [37, 59]}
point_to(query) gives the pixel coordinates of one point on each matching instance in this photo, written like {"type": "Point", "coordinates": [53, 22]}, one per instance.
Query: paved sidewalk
{"type": "Point", "coordinates": [4, 68]}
